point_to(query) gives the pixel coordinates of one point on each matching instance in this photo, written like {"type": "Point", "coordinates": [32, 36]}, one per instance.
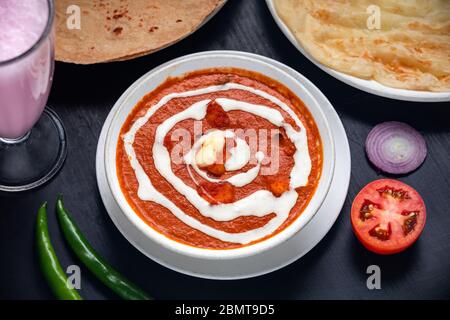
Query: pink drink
{"type": "Point", "coordinates": [25, 73]}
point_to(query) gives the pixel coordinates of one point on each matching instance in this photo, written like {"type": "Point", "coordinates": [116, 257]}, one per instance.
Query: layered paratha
{"type": "Point", "coordinates": [408, 49]}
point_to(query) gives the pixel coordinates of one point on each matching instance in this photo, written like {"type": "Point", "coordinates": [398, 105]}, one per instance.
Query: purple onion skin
{"type": "Point", "coordinates": [402, 157]}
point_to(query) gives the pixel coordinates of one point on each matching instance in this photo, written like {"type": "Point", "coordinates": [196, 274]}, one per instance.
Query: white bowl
{"type": "Point", "coordinates": [186, 64]}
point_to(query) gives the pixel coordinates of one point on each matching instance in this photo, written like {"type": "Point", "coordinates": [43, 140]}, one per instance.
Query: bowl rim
{"type": "Point", "coordinates": [123, 103]}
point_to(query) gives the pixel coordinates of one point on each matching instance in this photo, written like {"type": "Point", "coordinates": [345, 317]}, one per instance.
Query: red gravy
{"type": "Point", "coordinates": [159, 217]}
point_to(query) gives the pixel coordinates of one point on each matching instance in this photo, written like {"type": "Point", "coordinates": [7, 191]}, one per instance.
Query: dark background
{"type": "Point", "coordinates": [334, 269]}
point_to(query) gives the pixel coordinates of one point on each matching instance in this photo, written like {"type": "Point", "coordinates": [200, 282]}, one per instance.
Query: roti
{"type": "Point", "coordinates": [113, 30]}
{"type": "Point", "coordinates": [409, 48]}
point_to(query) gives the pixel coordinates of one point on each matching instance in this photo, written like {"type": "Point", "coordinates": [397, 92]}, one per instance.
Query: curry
{"type": "Point", "coordinates": [219, 158]}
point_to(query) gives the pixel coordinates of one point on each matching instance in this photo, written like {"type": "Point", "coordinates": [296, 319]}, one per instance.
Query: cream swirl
{"type": "Point", "coordinates": [259, 203]}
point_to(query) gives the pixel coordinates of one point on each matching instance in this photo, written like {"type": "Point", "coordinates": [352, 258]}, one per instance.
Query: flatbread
{"type": "Point", "coordinates": [410, 50]}
{"type": "Point", "coordinates": [123, 29]}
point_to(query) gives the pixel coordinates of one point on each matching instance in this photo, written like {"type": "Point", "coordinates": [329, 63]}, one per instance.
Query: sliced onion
{"type": "Point", "coordinates": [395, 147]}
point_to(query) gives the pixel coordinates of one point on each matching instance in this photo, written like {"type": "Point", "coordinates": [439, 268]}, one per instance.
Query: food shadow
{"type": "Point", "coordinates": [394, 269]}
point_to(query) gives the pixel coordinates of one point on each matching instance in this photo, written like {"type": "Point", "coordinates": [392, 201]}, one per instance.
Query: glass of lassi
{"type": "Point", "coordinates": [32, 137]}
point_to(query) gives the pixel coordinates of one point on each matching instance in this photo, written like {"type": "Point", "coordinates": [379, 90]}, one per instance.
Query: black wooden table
{"type": "Point", "coordinates": [334, 269]}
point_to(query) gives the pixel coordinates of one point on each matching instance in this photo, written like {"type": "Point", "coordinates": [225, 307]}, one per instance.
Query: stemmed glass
{"type": "Point", "coordinates": [32, 138]}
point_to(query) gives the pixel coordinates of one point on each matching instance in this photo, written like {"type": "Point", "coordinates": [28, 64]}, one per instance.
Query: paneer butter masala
{"type": "Point", "coordinates": [219, 158]}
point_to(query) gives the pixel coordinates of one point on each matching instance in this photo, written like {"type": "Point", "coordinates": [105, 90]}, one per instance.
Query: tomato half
{"type": "Point", "coordinates": [388, 216]}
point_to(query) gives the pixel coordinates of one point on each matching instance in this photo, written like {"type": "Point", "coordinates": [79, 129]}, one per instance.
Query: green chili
{"type": "Point", "coordinates": [50, 266]}
{"type": "Point", "coordinates": [93, 261]}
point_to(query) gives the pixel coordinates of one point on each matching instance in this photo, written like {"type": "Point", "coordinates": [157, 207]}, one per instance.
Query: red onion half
{"type": "Point", "coordinates": [395, 147]}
